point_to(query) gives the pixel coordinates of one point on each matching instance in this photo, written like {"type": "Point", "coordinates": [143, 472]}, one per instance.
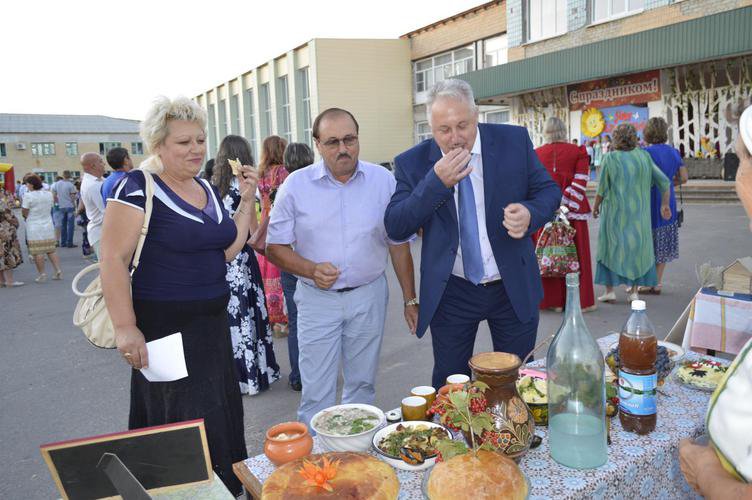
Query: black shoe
{"type": "Point", "coordinates": [72, 246]}
{"type": "Point", "coordinates": [296, 386]}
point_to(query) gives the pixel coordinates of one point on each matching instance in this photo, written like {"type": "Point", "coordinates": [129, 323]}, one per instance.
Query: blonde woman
{"type": "Point", "coordinates": [180, 283]}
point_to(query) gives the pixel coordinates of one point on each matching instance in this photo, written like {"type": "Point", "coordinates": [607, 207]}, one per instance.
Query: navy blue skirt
{"type": "Point", "coordinates": [210, 391]}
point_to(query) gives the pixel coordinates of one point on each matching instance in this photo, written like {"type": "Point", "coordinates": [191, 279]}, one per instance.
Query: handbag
{"type": "Point", "coordinates": [555, 250]}
{"type": "Point", "coordinates": [91, 313]}
{"type": "Point", "coordinates": [258, 238]}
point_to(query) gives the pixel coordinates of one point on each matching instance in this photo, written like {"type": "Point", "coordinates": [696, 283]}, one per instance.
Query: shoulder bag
{"type": "Point", "coordinates": [91, 313]}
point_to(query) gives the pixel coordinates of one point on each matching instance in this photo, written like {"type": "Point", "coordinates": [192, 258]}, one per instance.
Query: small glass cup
{"type": "Point", "coordinates": [457, 378]}
{"type": "Point", "coordinates": [414, 408]}
{"type": "Point", "coordinates": [425, 391]}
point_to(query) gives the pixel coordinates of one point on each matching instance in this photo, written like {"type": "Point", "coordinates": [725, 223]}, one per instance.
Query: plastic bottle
{"type": "Point", "coordinates": [576, 390]}
{"type": "Point", "coordinates": [637, 375]}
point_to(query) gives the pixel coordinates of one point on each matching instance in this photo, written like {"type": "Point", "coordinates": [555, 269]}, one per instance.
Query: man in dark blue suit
{"type": "Point", "coordinates": [478, 192]}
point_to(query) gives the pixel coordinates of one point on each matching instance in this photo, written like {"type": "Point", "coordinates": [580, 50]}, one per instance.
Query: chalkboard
{"type": "Point", "coordinates": [159, 457]}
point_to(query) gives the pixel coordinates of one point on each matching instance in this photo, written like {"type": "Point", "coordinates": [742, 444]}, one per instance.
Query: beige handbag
{"type": "Point", "coordinates": [91, 313]}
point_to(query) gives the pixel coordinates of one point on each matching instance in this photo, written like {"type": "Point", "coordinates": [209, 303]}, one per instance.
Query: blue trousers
{"type": "Point", "coordinates": [289, 282]}
{"type": "Point", "coordinates": [455, 325]}
{"type": "Point", "coordinates": [339, 329]}
{"type": "Point", "coordinates": [65, 219]}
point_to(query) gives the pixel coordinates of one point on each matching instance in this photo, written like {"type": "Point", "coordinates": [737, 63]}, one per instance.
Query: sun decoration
{"type": "Point", "coordinates": [319, 476]}
{"type": "Point", "coordinates": [592, 122]}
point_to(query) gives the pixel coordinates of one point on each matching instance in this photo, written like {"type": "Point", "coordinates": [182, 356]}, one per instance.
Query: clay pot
{"type": "Point", "coordinates": [280, 451]}
{"type": "Point", "coordinates": [445, 390]}
{"type": "Point", "coordinates": [514, 425]}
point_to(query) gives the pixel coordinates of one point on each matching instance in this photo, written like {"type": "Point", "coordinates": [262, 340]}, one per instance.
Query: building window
{"type": "Point", "coordinates": [235, 114]}
{"type": "Point", "coordinates": [546, 18]}
{"type": "Point", "coordinates": [443, 66]}
{"type": "Point", "coordinates": [603, 10]}
{"type": "Point", "coordinates": [212, 123]}
{"type": "Point", "coordinates": [422, 132]}
{"type": "Point", "coordinates": [265, 105]}
{"type": "Point", "coordinates": [283, 101]}
{"type": "Point", "coordinates": [305, 106]}
{"type": "Point", "coordinates": [495, 51]}
{"type": "Point", "coordinates": [104, 147]}
{"type": "Point", "coordinates": [3, 152]}
{"type": "Point", "coordinates": [71, 149]}
{"type": "Point", "coordinates": [250, 124]}
{"type": "Point", "coordinates": [222, 119]}
{"type": "Point", "coordinates": [43, 149]}
{"type": "Point", "coordinates": [497, 116]}
{"type": "Point", "coordinates": [137, 148]}
{"type": "Point", "coordinates": [47, 177]}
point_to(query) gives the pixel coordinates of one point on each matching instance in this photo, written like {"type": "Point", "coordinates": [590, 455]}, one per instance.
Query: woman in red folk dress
{"type": "Point", "coordinates": [569, 167]}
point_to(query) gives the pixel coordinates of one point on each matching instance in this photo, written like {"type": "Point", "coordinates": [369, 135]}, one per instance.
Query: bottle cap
{"type": "Point", "coordinates": [638, 305]}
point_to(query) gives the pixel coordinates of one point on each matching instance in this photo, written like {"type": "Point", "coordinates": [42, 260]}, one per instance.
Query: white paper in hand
{"type": "Point", "coordinates": [166, 359]}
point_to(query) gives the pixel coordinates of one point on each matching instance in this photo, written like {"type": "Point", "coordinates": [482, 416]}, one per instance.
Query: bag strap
{"type": "Point", "coordinates": [147, 217]}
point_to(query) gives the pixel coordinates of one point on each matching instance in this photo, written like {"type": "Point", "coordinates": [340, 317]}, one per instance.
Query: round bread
{"type": "Point", "coordinates": [358, 476]}
{"type": "Point", "coordinates": [487, 476]}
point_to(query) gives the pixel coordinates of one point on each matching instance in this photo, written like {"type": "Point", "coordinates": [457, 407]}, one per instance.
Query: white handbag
{"type": "Point", "coordinates": [91, 313]}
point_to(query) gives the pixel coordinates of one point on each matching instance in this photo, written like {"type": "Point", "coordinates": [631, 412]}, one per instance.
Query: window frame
{"type": "Point", "coordinates": [420, 136]}
{"type": "Point", "coordinates": [611, 17]}
{"type": "Point", "coordinates": [71, 149]}
{"type": "Point", "coordinates": [3, 150]}
{"type": "Point", "coordinates": [137, 150]}
{"type": "Point", "coordinates": [505, 50]}
{"type": "Point", "coordinates": [284, 127]}
{"type": "Point", "coordinates": [305, 100]}
{"type": "Point", "coordinates": [451, 64]}
{"type": "Point", "coordinates": [40, 149]}
{"type": "Point", "coordinates": [527, 23]}
{"type": "Point", "coordinates": [250, 126]}
{"type": "Point", "coordinates": [104, 149]}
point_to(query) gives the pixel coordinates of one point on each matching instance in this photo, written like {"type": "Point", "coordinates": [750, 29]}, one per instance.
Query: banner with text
{"type": "Point", "coordinates": [637, 88]}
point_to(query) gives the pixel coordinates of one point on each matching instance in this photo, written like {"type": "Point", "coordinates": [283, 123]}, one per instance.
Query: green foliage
{"type": "Point", "coordinates": [450, 448]}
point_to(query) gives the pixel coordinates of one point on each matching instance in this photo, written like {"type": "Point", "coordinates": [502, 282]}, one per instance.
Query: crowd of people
{"type": "Point", "coordinates": [328, 229]}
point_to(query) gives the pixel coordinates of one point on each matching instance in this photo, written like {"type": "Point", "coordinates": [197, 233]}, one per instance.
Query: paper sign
{"type": "Point", "coordinates": [166, 359]}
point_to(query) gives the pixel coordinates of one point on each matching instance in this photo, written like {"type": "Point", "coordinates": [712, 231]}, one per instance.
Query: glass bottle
{"type": "Point", "coordinates": [638, 380]}
{"type": "Point", "coordinates": [576, 390]}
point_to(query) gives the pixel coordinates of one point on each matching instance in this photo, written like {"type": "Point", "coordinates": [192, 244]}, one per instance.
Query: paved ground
{"type": "Point", "coordinates": [54, 385]}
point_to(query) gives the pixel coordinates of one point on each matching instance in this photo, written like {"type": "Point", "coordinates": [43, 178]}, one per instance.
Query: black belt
{"type": "Point", "coordinates": [348, 289]}
{"type": "Point", "coordinates": [490, 283]}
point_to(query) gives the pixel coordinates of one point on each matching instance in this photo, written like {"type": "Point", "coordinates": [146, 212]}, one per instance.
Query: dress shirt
{"type": "Point", "coordinates": [329, 221]}
{"type": "Point", "coordinates": [490, 269]}
{"type": "Point", "coordinates": [91, 195]}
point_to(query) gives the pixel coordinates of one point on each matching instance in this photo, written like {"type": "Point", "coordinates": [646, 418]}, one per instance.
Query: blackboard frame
{"type": "Point", "coordinates": [115, 442]}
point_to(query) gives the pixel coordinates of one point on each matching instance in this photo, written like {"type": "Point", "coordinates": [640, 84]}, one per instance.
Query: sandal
{"type": "Point", "coordinates": [41, 278]}
{"type": "Point", "coordinates": [609, 297]}
{"type": "Point", "coordinates": [650, 290]}
{"type": "Point", "coordinates": [14, 284]}
{"type": "Point", "coordinates": [58, 275]}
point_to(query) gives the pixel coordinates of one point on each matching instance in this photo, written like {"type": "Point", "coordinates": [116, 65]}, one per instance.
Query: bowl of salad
{"type": "Point", "coordinates": [410, 445]}
{"type": "Point", "coordinates": [532, 389]}
{"type": "Point", "coordinates": [347, 427]}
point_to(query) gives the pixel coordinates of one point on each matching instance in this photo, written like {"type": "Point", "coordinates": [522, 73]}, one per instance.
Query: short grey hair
{"type": "Point", "coordinates": [154, 127]}
{"type": "Point", "coordinates": [297, 155]}
{"type": "Point", "coordinates": [453, 89]}
{"type": "Point", "coordinates": [554, 130]}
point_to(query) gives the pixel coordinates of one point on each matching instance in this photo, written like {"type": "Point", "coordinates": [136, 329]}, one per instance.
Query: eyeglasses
{"type": "Point", "coordinates": [333, 143]}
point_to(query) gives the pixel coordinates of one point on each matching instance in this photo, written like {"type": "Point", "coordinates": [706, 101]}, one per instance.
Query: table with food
{"type": "Point", "coordinates": [593, 419]}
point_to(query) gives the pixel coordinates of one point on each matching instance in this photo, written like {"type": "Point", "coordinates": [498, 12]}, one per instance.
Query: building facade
{"type": "Point", "coordinates": [469, 41]}
{"type": "Point", "coordinates": [598, 63]}
{"type": "Point", "coordinates": [370, 78]}
{"type": "Point", "coordinates": [49, 144]}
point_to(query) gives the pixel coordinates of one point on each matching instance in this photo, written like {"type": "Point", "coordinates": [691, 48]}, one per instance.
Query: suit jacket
{"type": "Point", "coordinates": [512, 173]}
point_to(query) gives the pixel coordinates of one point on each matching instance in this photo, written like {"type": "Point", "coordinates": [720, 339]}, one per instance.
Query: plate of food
{"type": "Point", "coordinates": [703, 373]}
{"type": "Point", "coordinates": [485, 475]}
{"type": "Point", "coordinates": [409, 446]}
{"type": "Point", "coordinates": [347, 427]}
{"type": "Point", "coordinates": [532, 389]}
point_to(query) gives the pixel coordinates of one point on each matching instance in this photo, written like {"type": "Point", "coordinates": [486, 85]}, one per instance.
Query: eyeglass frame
{"type": "Point", "coordinates": [332, 145]}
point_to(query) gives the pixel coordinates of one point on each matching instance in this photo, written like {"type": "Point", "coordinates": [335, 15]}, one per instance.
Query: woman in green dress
{"type": "Point", "coordinates": [625, 240]}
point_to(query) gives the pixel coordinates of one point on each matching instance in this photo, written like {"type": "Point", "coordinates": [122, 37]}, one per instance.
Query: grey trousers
{"type": "Point", "coordinates": [339, 329]}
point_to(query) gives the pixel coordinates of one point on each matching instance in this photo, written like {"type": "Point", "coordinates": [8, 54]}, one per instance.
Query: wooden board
{"type": "Point", "coordinates": [162, 458]}
{"type": "Point", "coordinates": [252, 484]}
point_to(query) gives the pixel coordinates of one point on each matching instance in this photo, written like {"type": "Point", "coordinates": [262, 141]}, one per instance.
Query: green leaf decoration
{"type": "Point", "coordinates": [450, 448]}
{"type": "Point", "coordinates": [460, 400]}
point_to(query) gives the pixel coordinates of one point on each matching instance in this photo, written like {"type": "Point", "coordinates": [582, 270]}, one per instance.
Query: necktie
{"type": "Point", "coordinates": [472, 262]}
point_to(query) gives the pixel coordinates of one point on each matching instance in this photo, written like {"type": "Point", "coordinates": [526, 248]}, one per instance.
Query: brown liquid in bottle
{"type": "Point", "coordinates": [637, 357]}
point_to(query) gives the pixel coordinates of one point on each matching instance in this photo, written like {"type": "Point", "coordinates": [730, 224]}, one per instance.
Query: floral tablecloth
{"type": "Point", "coordinates": [637, 467]}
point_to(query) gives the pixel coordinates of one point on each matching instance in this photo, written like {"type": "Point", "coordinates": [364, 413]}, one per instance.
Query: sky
{"type": "Point", "coordinates": [113, 57]}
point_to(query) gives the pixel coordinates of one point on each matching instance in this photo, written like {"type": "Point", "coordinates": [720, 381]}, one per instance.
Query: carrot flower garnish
{"type": "Point", "coordinates": [319, 476]}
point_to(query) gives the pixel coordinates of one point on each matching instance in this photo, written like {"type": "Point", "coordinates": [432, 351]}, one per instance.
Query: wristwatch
{"type": "Point", "coordinates": [412, 302]}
